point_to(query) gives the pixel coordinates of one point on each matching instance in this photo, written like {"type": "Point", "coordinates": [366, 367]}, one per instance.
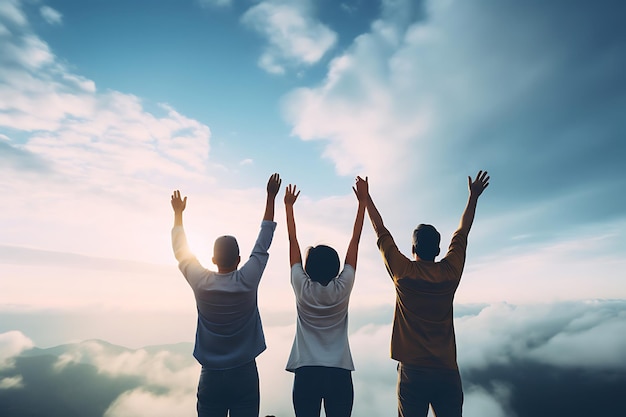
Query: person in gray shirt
{"type": "Point", "coordinates": [229, 333]}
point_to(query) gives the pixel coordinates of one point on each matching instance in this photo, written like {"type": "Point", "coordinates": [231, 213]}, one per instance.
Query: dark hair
{"type": "Point", "coordinates": [225, 251]}
{"type": "Point", "coordinates": [426, 241]}
{"type": "Point", "coordinates": [322, 264]}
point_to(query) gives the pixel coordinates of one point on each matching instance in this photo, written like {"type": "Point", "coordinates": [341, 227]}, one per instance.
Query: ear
{"type": "Point", "coordinates": [213, 260]}
{"type": "Point", "coordinates": [438, 251]}
{"type": "Point", "coordinates": [238, 260]}
{"type": "Point", "coordinates": [413, 250]}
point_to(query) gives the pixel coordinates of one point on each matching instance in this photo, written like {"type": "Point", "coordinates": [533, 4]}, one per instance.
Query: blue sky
{"type": "Point", "coordinates": [107, 106]}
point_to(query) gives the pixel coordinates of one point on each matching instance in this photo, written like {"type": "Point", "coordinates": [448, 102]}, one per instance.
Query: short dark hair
{"type": "Point", "coordinates": [426, 241]}
{"type": "Point", "coordinates": [322, 264]}
{"type": "Point", "coordinates": [225, 251]}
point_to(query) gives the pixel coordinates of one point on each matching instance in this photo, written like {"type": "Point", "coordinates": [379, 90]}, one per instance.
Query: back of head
{"type": "Point", "coordinates": [426, 241]}
{"type": "Point", "coordinates": [226, 251]}
{"type": "Point", "coordinates": [322, 264]}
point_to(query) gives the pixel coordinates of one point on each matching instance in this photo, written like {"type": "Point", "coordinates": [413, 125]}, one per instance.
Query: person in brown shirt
{"type": "Point", "coordinates": [423, 340]}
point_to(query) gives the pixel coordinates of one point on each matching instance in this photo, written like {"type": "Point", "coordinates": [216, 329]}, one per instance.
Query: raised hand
{"type": "Point", "coordinates": [178, 204]}
{"type": "Point", "coordinates": [479, 184]}
{"type": "Point", "coordinates": [361, 189]}
{"type": "Point", "coordinates": [273, 185]}
{"type": "Point", "coordinates": [291, 195]}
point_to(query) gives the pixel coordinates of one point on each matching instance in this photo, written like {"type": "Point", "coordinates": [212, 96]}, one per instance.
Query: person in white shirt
{"type": "Point", "coordinates": [229, 334]}
{"type": "Point", "coordinates": [320, 356]}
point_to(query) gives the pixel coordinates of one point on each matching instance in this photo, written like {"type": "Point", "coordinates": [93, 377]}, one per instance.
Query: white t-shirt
{"type": "Point", "coordinates": [322, 325]}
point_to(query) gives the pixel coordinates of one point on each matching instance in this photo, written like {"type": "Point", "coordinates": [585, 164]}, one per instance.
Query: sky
{"type": "Point", "coordinates": [106, 107]}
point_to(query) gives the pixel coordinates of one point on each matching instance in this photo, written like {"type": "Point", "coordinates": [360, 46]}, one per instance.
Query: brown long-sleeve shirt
{"type": "Point", "coordinates": [423, 327]}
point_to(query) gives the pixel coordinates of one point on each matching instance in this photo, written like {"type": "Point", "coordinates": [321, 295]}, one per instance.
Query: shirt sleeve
{"type": "Point", "coordinates": [252, 270]}
{"type": "Point", "coordinates": [187, 262]}
{"type": "Point", "coordinates": [298, 279]}
{"type": "Point", "coordinates": [455, 257]}
{"type": "Point", "coordinates": [397, 264]}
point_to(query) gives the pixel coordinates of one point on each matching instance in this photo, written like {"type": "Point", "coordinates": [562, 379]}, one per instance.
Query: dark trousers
{"type": "Point", "coordinates": [311, 384]}
{"type": "Point", "coordinates": [235, 390]}
{"type": "Point", "coordinates": [418, 387]}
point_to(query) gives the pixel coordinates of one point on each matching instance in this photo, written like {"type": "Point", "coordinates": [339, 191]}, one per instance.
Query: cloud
{"type": "Point", "coordinates": [84, 151]}
{"type": "Point", "coordinates": [50, 15]}
{"type": "Point", "coordinates": [139, 403]}
{"type": "Point", "coordinates": [587, 335]}
{"type": "Point", "coordinates": [479, 401]}
{"type": "Point", "coordinates": [12, 382]}
{"type": "Point", "coordinates": [12, 343]}
{"type": "Point", "coordinates": [215, 3]}
{"type": "Point", "coordinates": [11, 13]}
{"type": "Point", "coordinates": [294, 37]}
{"type": "Point", "coordinates": [467, 84]}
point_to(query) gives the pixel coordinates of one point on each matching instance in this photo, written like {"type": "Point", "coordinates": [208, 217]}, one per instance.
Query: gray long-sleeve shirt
{"type": "Point", "coordinates": [229, 331]}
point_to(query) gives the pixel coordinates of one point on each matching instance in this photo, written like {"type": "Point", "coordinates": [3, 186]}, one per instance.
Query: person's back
{"type": "Point", "coordinates": [423, 330]}
{"type": "Point", "coordinates": [320, 356]}
{"type": "Point", "coordinates": [229, 333]}
{"type": "Point", "coordinates": [322, 320]}
{"type": "Point", "coordinates": [423, 339]}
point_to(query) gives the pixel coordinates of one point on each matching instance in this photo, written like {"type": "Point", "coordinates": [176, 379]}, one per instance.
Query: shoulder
{"type": "Point", "coordinates": [347, 272]}
{"type": "Point", "coordinates": [298, 273]}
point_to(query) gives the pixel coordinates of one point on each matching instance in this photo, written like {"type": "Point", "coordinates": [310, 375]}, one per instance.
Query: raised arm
{"type": "Point", "coordinates": [273, 186]}
{"type": "Point", "coordinates": [178, 205]}
{"type": "Point", "coordinates": [360, 189]}
{"type": "Point", "coordinates": [476, 188]}
{"type": "Point", "coordinates": [375, 217]}
{"type": "Point", "coordinates": [294, 248]}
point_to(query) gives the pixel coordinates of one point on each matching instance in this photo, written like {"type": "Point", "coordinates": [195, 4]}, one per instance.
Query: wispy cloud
{"type": "Point", "coordinates": [12, 344]}
{"type": "Point", "coordinates": [293, 34]}
{"type": "Point", "coordinates": [11, 13]}
{"type": "Point", "coordinates": [51, 15]}
{"type": "Point", "coordinates": [214, 3]}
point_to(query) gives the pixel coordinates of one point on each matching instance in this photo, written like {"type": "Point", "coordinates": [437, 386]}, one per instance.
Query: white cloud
{"type": "Point", "coordinates": [12, 382]}
{"type": "Point", "coordinates": [99, 151]}
{"type": "Point", "coordinates": [10, 10]}
{"type": "Point", "coordinates": [588, 335]}
{"type": "Point", "coordinates": [294, 37]}
{"type": "Point", "coordinates": [417, 98]}
{"type": "Point", "coordinates": [51, 15]}
{"type": "Point", "coordinates": [479, 402]}
{"type": "Point", "coordinates": [12, 343]}
{"type": "Point", "coordinates": [140, 402]}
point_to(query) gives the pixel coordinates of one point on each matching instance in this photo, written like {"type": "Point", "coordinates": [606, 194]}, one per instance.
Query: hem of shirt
{"type": "Point", "coordinates": [325, 365]}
